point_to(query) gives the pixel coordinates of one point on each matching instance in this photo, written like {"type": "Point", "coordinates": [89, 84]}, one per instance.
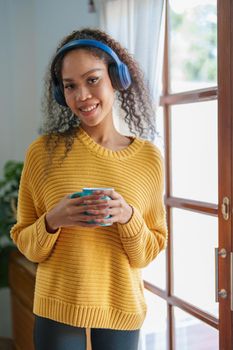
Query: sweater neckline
{"type": "Point", "coordinates": [103, 152]}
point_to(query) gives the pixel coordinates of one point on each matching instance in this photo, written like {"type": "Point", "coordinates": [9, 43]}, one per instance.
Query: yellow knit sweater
{"type": "Point", "coordinates": [91, 277]}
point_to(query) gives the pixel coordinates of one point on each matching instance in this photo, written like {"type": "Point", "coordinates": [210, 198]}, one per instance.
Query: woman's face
{"type": "Point", "coordinates": [87, 87]}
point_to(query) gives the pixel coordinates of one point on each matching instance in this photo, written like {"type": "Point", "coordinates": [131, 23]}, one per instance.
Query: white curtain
{"type": "Point", "coordinates": [139, 26]}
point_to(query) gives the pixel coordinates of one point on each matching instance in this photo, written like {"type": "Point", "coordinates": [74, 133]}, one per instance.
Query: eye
{"type": "Point", "coordinates": [69, 86]}
{"type": "Point", "coordinates": [93, 80]}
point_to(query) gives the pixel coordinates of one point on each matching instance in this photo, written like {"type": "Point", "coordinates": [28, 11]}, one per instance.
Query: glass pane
{"type": "Point", "coordinates": [155, 271]}
{"type": "Point", "coordinates": [153, 331]}
{"type": "Point", "coordinates": [194, 238]}
{"type": "Point", "coordinates": [193, 44]}
{"type": "Point", "coordinates": [193, 334]}
{"type": "Point", "coordinates": [194, 151]}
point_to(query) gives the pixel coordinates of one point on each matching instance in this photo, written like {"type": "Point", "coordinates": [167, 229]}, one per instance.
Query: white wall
{"type": "Point", "coordinates": [29, 33]}
{"type": "Point", "coordinates": [17, 71]}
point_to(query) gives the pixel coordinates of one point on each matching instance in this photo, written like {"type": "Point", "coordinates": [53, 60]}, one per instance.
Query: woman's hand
{"type": "Point", "coordinates": [118, 208]}
{"type": "Point", "coordinates": [71, 212]}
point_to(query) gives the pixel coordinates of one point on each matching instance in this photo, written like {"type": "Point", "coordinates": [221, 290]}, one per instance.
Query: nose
{"type": "Point", "coordinates": [83, 93]}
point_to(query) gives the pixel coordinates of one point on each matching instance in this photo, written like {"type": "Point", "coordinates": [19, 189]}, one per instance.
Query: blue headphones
{"type": "Point", "coordinates": [118, 71]}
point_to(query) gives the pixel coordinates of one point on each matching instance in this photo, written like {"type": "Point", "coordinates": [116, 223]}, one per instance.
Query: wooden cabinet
{"type": "Point", "coordinates": [22, 281]}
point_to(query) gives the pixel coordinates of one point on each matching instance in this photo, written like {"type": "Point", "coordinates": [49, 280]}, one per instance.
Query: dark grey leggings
{"type": "Point", "coordinates": [52, 335]}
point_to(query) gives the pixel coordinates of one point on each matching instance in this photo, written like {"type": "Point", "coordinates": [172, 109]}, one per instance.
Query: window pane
{"type": "Point", "coordinates": [153, 331]}
{"type": "Point", "coordinates": [193, 45]}
{"type": "Point", "coordinates": [194, 238]}
{"type": "Point", "coordinates": [194, 151]}
{"type": "Point", "coordinates": [155, 271]}
{"type": "Point", "coordinates": [193, 334]}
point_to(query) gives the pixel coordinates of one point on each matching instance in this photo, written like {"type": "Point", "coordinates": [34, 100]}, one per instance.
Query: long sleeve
{"type": "Point", "coordinates": [29, 233]}
{"type": "Point", "coordinates": [144, 237]}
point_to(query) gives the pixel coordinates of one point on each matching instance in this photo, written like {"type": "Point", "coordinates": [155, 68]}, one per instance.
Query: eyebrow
{"type": "Point", "coordinates": [83, 75]}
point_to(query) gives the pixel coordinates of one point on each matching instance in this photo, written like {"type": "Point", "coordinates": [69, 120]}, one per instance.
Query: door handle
{"type": "Point", "coordinates": [221, 293]}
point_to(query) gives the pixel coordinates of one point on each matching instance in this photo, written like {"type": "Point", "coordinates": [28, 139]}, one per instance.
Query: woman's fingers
{"type": "Point", "coordinates": [111, 193]}
{"type": "Point", "coordinates": [84, 208]}
{"type": "Point", "coordinates": [96, 201]}
{"type": "Point", "coordinates": [78, 200]}
{"type": "Point", "coordinates": [103, 212]}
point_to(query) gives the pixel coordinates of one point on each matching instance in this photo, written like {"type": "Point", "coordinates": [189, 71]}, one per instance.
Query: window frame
{"type": "Point", "coordinates": [223, 93]}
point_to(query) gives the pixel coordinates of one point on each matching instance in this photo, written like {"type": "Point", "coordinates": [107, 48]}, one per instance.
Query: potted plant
{"type": "Point", "coordinates": [8, 204]}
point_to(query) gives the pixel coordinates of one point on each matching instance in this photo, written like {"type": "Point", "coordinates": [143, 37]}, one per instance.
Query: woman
{"type": "Point", "coordinates": [88, 274]}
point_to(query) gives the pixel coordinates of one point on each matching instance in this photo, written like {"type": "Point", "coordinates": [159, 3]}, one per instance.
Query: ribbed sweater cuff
{"type": "Point", "coordinates": [45, 239]}
{"type": "Point", "coordinates": [133, 227]}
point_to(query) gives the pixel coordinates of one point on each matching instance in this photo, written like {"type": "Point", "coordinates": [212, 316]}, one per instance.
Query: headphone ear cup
{"type": "Point", "coordinates": [125, 76]}
{"type": "Point", "coordinates": [59, 95]}
{"type": "Point", "coordinates": [120, 76]}
{"type": "Point", "coordinates": [114, 76]}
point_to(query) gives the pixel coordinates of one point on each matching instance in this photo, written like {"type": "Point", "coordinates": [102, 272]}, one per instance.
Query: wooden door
{"type": "Point", "coordinates": [189, 289]}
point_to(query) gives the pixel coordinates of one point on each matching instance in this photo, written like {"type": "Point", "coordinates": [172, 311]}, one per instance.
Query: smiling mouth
{"type": "Point", "coordinates": [89, 109]}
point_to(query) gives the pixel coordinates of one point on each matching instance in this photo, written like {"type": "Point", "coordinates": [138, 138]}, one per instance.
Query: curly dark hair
{"type": "Point", "coordinates": [60, 123]}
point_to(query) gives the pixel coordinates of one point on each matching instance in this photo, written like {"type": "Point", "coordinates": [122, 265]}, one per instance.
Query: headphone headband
{"type": "Point", "coordinates": [88, 42]}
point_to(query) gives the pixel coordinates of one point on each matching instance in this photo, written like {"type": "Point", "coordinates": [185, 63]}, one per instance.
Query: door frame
{"type": "Point", "coordinates": [225, 115]}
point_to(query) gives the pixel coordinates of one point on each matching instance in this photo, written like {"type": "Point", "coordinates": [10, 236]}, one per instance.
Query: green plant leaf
{"type": "Point", "coordinates": [9, 186]}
